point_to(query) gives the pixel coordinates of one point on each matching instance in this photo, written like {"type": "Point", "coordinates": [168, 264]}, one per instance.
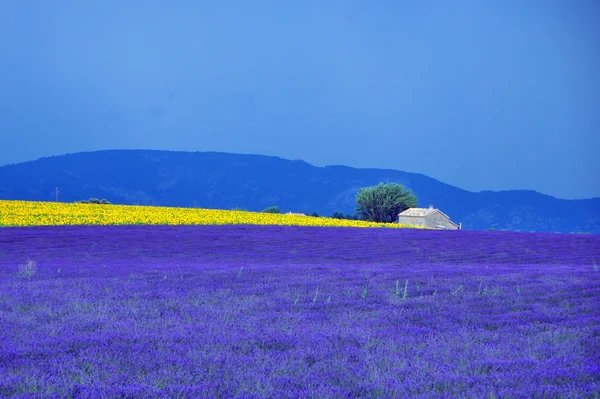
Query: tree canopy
{"type": "Point", "coordinates": [383, 203]}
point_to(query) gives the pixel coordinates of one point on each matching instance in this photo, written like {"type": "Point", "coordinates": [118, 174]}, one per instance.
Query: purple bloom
{"type": "Point", "coordinates": [163, 311]}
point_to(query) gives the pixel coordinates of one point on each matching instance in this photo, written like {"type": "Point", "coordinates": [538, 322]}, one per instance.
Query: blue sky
{"type": "Point", "coordinates": [483, 95]}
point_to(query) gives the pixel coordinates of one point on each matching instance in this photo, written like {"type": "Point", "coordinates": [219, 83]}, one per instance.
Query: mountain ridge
{"type": "Point", "coordinates": [224, 180]}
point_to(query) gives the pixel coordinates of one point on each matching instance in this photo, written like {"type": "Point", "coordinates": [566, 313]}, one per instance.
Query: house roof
{"type": "Point", "coordinates": [418, 211]}
{"type": "Point", "coordinates": [421, 212]}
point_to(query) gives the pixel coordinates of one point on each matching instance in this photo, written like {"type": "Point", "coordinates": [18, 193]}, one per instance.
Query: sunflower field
{"type": "Point", "coordinates": [32, 213]}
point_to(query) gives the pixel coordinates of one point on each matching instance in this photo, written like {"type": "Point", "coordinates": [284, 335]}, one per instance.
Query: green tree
{"type": "Point", "coordinates": [271, 209]}
{"type": "Point", "coordinates": [383, 203]}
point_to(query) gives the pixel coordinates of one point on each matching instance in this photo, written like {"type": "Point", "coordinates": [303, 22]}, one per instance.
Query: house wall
{"type": "Point", "coordinates": [416, 220]}
{"type": "Point", "coordinates": [436, 218]}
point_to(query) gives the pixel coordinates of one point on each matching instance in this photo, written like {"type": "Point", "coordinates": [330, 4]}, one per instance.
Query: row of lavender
{"type": "Point", "coordinates": [265, 311]}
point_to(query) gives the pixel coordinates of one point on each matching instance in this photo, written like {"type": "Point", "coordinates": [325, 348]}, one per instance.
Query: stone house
{"type": "Point", "coordinates": [428, 217]}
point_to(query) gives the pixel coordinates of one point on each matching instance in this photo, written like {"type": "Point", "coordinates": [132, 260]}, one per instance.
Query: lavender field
{"type": "Point", "coordinates": [297, 312]}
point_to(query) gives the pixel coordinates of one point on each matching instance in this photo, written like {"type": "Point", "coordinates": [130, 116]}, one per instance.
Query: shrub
{"type": "Point", "coordinates": [338, 215]}
{"type": "Point", "coordinates": [28, 269]}
{"type": "Point", "coordinates": [94, 201]}
{"type": "Point", "coordinates": [271, 209]}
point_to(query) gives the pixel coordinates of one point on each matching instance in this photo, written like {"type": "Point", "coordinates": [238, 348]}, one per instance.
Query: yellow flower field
{"type": "Point", "coordinates": [29, 213]}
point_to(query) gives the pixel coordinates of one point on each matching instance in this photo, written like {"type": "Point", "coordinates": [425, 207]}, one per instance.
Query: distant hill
{"type": "Point", "coordinates": [253, 182]}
